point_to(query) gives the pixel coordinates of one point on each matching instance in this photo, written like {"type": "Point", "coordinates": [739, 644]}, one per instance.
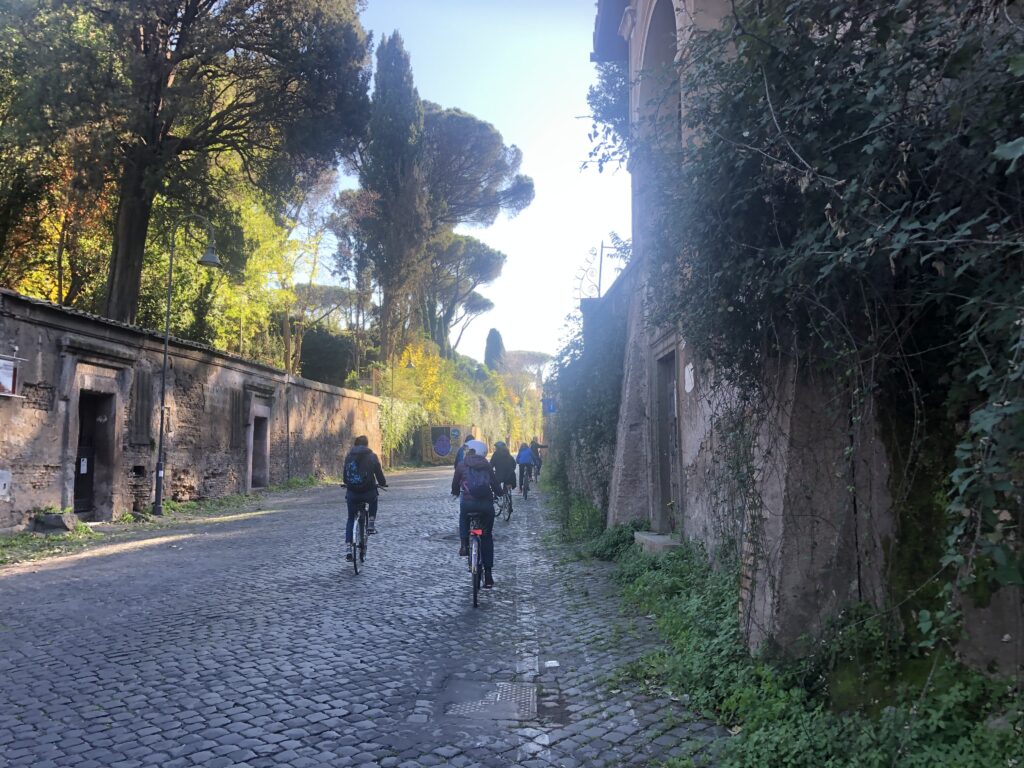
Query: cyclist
{"type": "Point", "coordinates": [535, 447]}
{"type": "Point", "coordinates": [525, 461]}
{"type": "Point", "coordinates": [504, 466]}
{"type": "Point", "coordinates": [461, 453]}
{"type": "Point", "coordinates": [475, 486]}
{"type": "Point", "coordinates": [362, 473]}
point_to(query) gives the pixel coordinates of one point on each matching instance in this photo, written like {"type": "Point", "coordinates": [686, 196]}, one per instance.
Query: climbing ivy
{"type": "Point", "coordinates": [849, 196]}
{"type": "Point", "coordinates": [586, 384]}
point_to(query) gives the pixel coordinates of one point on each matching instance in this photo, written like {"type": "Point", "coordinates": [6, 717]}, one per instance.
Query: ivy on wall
{"type": "Point", "coordinates": [860, 211]}
{"type": "Point", "coordinates": [586, 383]}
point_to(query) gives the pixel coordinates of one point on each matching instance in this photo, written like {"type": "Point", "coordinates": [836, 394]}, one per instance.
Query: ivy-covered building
{"type": "Point", "coordinates": [797, 482]}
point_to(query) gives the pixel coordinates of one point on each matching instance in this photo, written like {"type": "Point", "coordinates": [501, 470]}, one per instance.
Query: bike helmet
{"type": "Point", "coordinates": [479, 446]}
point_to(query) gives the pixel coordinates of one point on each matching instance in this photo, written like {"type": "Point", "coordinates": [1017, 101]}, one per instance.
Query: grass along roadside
{"type": "Point", "coordinates": [29, 546]}
{"type": "Point", "coordinates": [858, 697]}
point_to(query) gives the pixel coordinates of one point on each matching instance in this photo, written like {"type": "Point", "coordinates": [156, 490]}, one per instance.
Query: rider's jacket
{"type": "Point", "coordinates": [504, 466]}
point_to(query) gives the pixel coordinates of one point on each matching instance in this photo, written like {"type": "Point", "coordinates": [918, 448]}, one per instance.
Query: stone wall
{"type": "Point", "coordinates": [796, 484]}
{"type": "Point", "coordinates": [231, 426]}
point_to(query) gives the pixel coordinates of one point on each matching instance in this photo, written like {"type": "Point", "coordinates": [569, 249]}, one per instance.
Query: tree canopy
{"type": "Point", "coordinates": [173, 87]}
{"type": "Point", "coordinates": [494, 351]}
{"type": "Point", "coordinates": [457, 266]}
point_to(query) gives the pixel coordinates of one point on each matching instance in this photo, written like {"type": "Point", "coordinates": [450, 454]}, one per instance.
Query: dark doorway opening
{"type": "Point", "coordinates": [94, 459]}
{"type": "Point", "coordinates": [667, 444]}
{"type": "Point", "coordinates": [260, 452]}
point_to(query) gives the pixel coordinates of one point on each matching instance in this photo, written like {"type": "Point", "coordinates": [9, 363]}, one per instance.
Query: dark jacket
{"type": "Point", "coordinates": [535, 450]}
{"type": "Point", "coordinates": [460, 454]}
{"type": "Point", "coordinates": [369, 463]}
{"type": "Point", "coordinates": [504, 466]}
{"type": "Point", "coordinates": [478, 462]}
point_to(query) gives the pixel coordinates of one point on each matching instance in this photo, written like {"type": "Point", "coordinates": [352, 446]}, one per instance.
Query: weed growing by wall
{"type": "Point", "coordinates": [860, 698]}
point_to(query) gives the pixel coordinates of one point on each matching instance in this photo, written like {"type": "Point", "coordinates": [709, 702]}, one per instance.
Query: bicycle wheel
{"type": "Point", "coordinates": [526, 486]}
{"type": "Point", "coordinates": [474, 567]}
{"type": "Point", "coordinates": [357, 532]}
{"type": "Point", "coordinates": [364, 525]}
{"type": "Point", "coordinates": [508, 505]}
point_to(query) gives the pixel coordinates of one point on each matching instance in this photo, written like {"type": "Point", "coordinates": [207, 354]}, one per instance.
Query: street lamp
{"type": "Point", "coordinates": [209, 259]}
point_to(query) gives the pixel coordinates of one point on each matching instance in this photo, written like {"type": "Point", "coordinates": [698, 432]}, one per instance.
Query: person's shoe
{"type": "Point", "coordinates": [348, 556]}
{"type": "Point", "coordinates": [371, 528]}
{"type": "Point", "coordinates": [488, 579]}
{"type": "Point", "coordinates": [463, 552]}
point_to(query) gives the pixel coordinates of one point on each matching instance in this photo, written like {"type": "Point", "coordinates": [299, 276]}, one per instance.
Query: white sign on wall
{"type": "Point", "coordinates": [8, 376]}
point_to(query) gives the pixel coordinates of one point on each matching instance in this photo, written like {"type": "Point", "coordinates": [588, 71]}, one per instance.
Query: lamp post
{"type": "Point", "coordinates": [209, 259]}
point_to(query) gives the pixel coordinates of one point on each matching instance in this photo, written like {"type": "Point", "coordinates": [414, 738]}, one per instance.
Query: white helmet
{"type": "Point", "coordinates": [477, 445]}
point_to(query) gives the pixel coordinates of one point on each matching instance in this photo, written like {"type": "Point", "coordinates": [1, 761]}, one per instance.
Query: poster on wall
{"type": "Point", "coordinates": [8, 377]}
{"type": "Point", "coordinates": [441, 440]}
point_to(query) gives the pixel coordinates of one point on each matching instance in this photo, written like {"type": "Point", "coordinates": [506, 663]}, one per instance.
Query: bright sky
{"type": "Point", "coordinates": [525, 67]}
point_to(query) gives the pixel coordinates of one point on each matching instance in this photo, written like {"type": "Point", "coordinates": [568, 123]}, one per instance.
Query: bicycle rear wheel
{"type": "Point", "coordinates": [364, 525]}
{"type": "Point", "coordinates": [474, 567]}
{"type": "Point", "coordinates": [357, 532]}
{"type": "Point", "coordinates": [508, 505]}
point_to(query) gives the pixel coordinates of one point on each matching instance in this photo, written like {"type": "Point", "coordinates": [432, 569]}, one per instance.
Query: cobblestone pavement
{"type": "Point", "coordinates": [252, 643]}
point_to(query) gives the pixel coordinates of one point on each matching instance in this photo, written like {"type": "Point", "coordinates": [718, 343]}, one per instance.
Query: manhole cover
{"type": "Point", "coordinates": [492, 701]}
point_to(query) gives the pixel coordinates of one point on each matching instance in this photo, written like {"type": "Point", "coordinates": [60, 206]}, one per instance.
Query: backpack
{"type": "Point", "coordinates": [356, 475]}
{"type": "Point", "coordinates": [476, 482]}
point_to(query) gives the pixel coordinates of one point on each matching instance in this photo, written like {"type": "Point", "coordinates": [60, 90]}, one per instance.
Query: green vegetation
{"type": "Point", "coordinates": [27, 546]}
{"type": "Point", "coordinates": [426, 388]}
{"type": "Point", "coordinates": [859, 698]}
{"type": "Point", "coordinates": [586, 383]}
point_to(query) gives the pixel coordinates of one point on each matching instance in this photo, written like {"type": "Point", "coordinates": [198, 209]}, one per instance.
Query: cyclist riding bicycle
{"type": "Point", "coordinates": [362, 474]}
{"type": "Point", "coordinates": [504, 465]}
{"type": "Point", "coordinates": [535, 447]}
{"type": "Point", "coordinates": [525, 461]}
{"type": "Point", "coordinates": [476, 487]}
{"type": "Point", "coordinates": [460, 455]}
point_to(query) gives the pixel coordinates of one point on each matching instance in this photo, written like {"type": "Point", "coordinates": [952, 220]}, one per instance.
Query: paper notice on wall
{"type": "Point", "coordinates": [83, 466]}
{"type": "Point", "coordinates": [7, 373]}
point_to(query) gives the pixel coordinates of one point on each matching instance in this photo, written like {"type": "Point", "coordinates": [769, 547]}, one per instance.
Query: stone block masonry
{"type": "Point", "coordinates": [81, 428]}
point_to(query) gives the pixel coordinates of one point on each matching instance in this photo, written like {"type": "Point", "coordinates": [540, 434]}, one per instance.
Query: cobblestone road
{"type": "Point", "coordinates": [252, 643]}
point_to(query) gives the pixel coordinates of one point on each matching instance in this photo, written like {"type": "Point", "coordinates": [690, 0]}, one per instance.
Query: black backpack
{"type": "Point", "coordinates": [358, 473]}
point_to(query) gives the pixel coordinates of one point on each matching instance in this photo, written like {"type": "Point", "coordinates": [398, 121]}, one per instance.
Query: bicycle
{"type": "Point", "coordinates": [360, 526]}
{"type": "Point", "coordinates": [476, 567]}
{"type": "Point", "coordinates": [360, 532]}
{"type": "Point", "coordinates": [524, 480]}
{"type": "Point", "coordinates": [505, 503]}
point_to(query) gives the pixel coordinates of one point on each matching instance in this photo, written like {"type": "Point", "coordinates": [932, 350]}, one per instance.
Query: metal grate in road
{"type": "Point", "coordinates": [503, 701]}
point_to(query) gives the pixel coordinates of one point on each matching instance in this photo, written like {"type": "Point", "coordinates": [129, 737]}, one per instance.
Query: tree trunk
{"type": "Point", "coordinates": [387, 321]}
{"type": "Point", "coordinates": [134, 208]}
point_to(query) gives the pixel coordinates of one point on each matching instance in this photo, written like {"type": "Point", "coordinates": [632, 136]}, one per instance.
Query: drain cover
{"type": "Point", "coordinates": [492, 701]}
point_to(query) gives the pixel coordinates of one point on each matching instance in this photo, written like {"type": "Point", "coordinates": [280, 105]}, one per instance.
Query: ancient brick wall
{"type": "Point", "coordinates": [213, 402]}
